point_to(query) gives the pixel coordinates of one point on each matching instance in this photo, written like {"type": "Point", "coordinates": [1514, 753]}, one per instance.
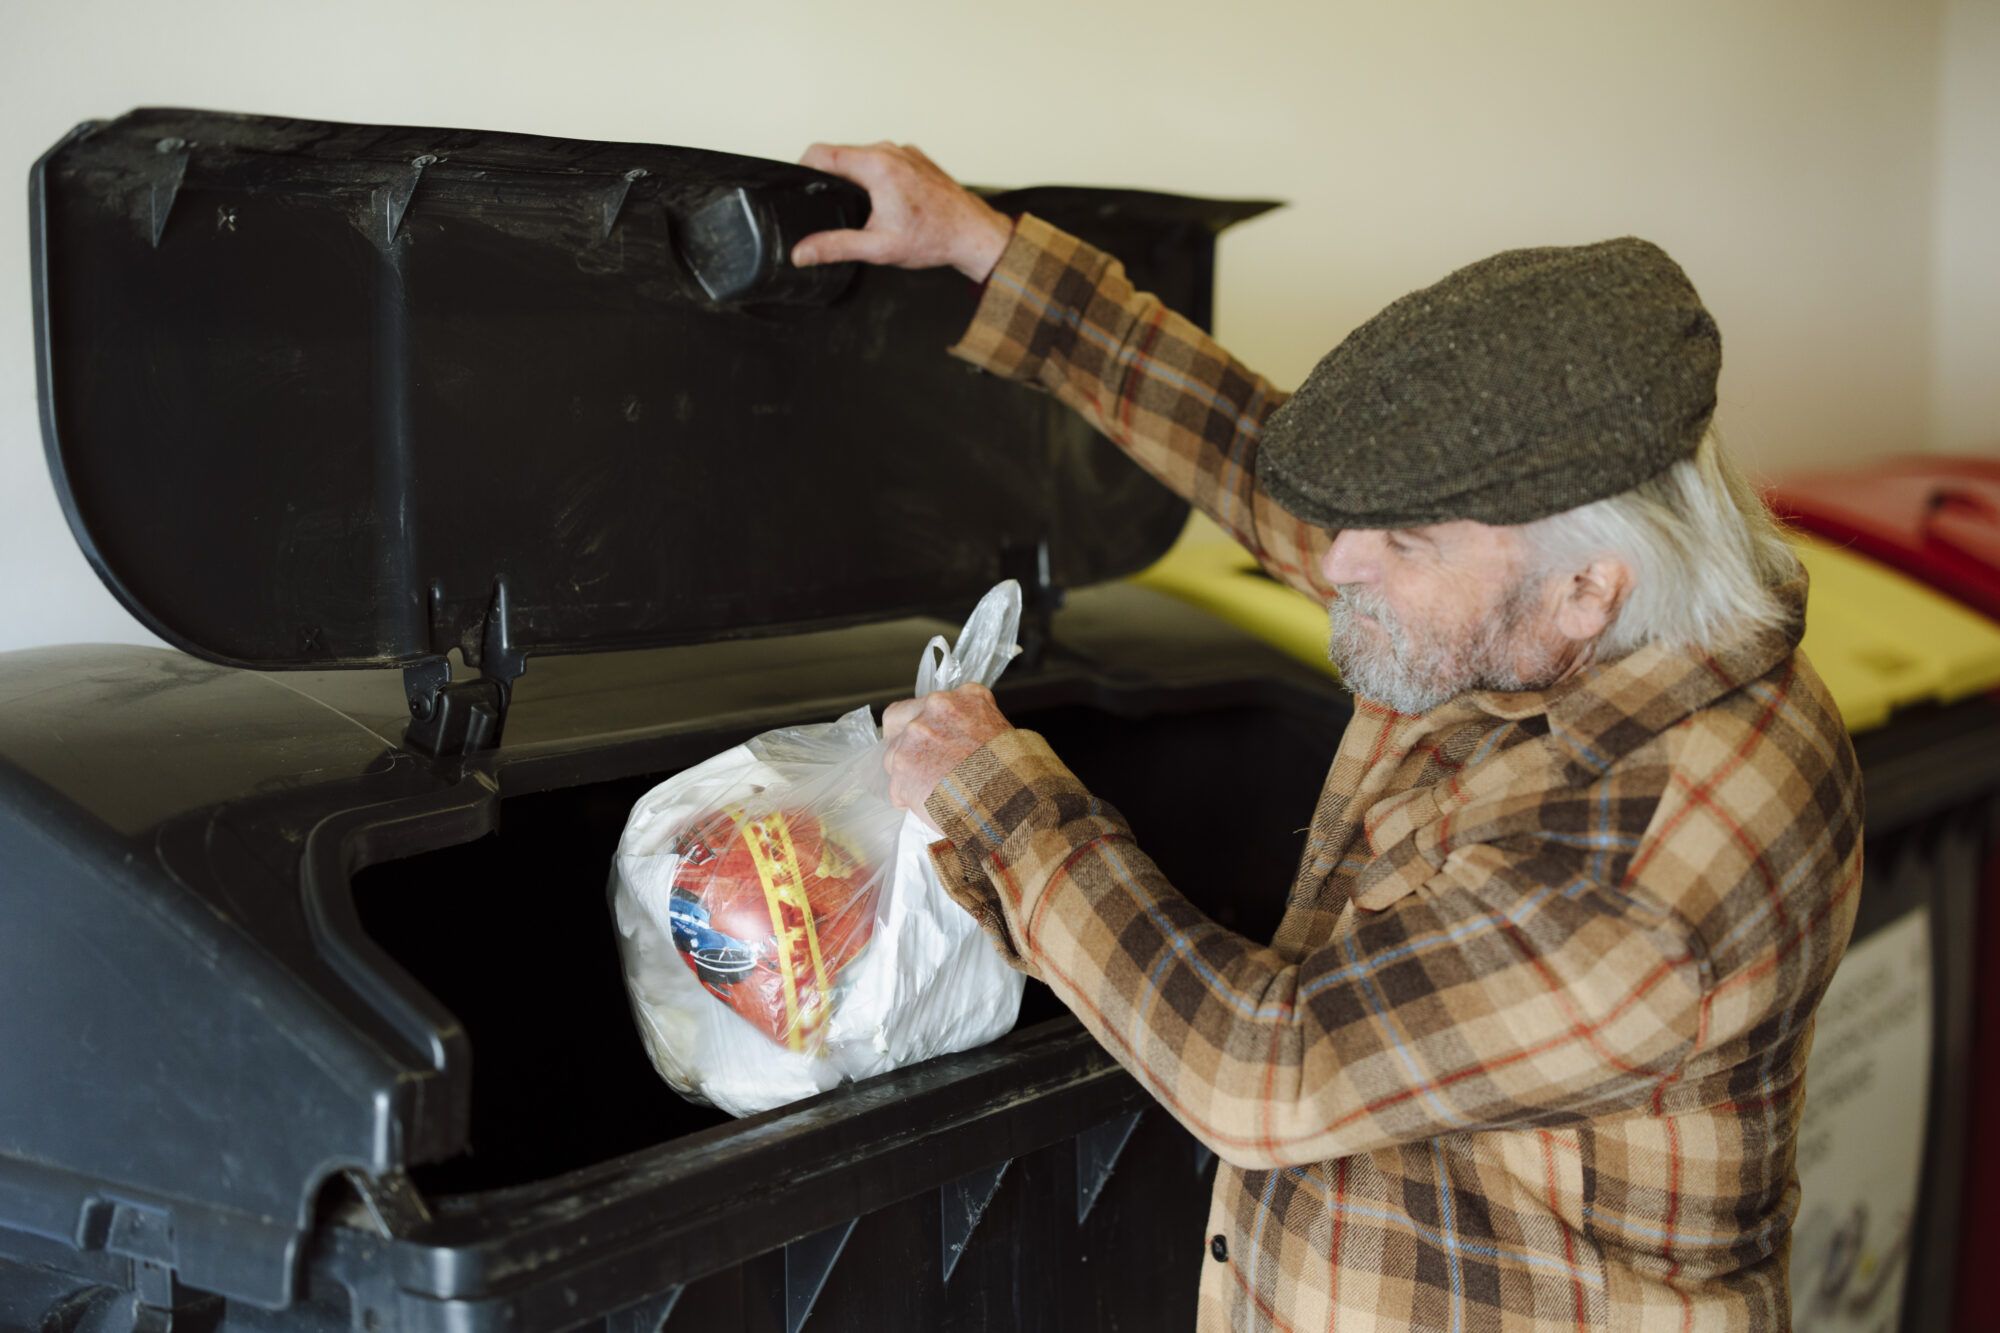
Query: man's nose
{"type": "Point", "coordinates": [1354, 557]}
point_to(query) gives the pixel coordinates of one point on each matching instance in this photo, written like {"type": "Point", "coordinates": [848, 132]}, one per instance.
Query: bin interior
{"type": "Point", "coordinates": [513, 933]}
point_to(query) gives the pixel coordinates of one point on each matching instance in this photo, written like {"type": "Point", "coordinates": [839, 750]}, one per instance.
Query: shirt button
{"type": "Point", "coordinates": [1219, 1247]}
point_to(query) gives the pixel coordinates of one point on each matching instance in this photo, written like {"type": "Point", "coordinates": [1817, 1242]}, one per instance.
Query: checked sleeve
{"type": "Point", "coordinates": [1060, 314]}
{"type": "Point", "coordinates": [1488, 998]}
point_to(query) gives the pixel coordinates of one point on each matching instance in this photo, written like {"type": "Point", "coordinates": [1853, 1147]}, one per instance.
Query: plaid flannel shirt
{"type": "Point", "coordinates": [1527, 1051]}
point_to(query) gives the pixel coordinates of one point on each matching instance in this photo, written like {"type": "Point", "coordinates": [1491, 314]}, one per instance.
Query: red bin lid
{"type": "Point", "coordinates": [1935, 517]}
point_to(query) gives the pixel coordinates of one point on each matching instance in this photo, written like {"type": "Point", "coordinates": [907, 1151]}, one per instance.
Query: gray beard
{"type": "Point", "coordinates": [1413, 674]}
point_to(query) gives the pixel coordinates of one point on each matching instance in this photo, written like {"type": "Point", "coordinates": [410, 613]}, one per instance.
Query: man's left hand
{"type": "Point", "coordinates": [931, 736]}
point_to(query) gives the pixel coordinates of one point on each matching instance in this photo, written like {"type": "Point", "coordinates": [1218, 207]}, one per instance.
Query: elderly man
{"type": "Point", "coordinates": [1528, 1048]}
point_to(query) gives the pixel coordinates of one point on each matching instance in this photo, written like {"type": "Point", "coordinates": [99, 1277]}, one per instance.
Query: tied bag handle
{"type": "Point", "coordinates": [985, 646]}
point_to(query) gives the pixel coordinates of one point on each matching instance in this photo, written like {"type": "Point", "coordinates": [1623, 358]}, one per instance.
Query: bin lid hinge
{"type": "Point", "coordinates": [162, 1305]}
{"type": "Point", "coordinates": [1030, 566]}
{"type": "Point", "coordinates": [451, 718]}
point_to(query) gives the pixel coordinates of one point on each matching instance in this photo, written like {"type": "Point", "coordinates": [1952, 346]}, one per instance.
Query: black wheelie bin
{"type": "Point", "coordinates": [479, 482]}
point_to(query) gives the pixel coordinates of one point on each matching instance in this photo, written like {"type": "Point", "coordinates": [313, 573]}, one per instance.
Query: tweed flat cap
{"type": "Point", "coordinates": [1525, 384]}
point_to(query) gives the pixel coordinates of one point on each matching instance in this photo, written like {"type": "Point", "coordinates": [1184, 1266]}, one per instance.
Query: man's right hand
{"type": "Point", "coordinates": [920, 217]}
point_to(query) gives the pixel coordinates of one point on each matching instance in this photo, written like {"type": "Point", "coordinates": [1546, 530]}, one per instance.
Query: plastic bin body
{"type": "Point", "coordinates": [1027, 1184]}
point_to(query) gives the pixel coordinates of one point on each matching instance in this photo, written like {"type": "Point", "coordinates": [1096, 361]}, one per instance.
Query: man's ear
{"type": "Point", "coordinates": [1588, 602]}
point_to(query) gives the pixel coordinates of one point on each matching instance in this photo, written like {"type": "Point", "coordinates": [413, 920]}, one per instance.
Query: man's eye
{"type": "Point", "coordinates": [1398, 545]}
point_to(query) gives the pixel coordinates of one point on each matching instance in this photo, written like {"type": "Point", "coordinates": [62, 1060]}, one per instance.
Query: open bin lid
{"type": "Point", "coordinates": [322, 395]}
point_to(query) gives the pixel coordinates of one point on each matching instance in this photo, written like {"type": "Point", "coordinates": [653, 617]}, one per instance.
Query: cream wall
{"type": "Point", "coordinates": [1786, 152]}
{"type": "Point", "coordinates": [1965, 339]}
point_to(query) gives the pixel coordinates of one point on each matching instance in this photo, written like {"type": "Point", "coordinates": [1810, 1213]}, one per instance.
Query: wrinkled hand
{"type": "Point", "coordinates": [931, 736]}
{"type": "Point", "coordinates": [921, 217]}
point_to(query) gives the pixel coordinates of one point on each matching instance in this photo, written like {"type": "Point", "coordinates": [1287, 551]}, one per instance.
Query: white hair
{"type": "Point", "coordinates": [1704, 552]}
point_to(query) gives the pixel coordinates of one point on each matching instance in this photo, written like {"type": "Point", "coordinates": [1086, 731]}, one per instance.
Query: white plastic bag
{"type": "Point", "coordinates": [779, 920]}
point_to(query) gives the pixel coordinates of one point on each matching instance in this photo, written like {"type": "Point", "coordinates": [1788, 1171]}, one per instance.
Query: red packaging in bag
{"type": "Point", "coordinates": [767, 909]}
